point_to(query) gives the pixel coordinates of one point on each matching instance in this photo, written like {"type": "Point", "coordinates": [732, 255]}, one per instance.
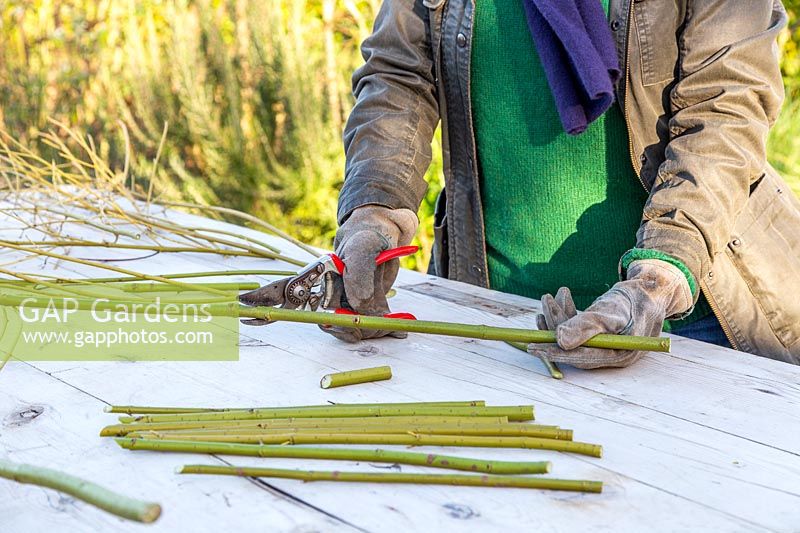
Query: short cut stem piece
{"type": "Point", "coordinates": [354, 377]}
{"type": "Point", "coordinates": [419, 479]}
{"type": "Point", "coordinates": [340, 454]}
{"type": "Point", "coordinates": [87, 491]}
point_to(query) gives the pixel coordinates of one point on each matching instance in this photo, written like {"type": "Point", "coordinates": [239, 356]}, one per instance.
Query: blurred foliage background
{"type": "Point", "coordinates": [246, 98]}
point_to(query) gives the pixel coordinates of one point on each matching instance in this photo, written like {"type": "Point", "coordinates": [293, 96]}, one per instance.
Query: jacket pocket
{"type": "Point", "coordinates": [658, 49]}
{"type": "Point", "coordinates": [440, 256]}
{"type": "Point", "coordinates": [765, 248]}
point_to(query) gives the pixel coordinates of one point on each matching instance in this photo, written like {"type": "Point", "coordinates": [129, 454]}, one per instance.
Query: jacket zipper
{"type": "Point", "coordinates": [722, 322]}
{"type": "Point", "coordinates": [637, 169]}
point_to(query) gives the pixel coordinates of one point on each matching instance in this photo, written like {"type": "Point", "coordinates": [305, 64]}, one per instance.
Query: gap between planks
{"type": "Point", "coordinates": [272, 489]}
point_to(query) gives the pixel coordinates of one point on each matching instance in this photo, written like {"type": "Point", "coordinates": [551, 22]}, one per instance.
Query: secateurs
{"type": "Point", "coordinates": [318, 284]}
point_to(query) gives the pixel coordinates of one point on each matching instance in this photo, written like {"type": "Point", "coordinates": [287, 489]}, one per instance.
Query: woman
{"type": "Point", "coordinates": [548, 186]}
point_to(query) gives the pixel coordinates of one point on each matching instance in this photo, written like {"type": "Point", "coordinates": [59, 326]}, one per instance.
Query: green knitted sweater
{"type": "Point", "coordinates": [558, 210]}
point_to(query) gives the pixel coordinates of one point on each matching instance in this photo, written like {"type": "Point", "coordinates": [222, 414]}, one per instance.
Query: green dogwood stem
{"type": "Point", "coordinates": [91, 493]}
{"type": "Point", "coordinates": [341, 454]}
{"type": "Point", "coordinates": [473, 331]}
{"type": "Point", "coordinates": [419, 479]}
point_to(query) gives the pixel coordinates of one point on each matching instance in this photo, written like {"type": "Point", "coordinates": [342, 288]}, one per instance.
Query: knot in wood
{"type": "Point", "coordinates": [23, 415]}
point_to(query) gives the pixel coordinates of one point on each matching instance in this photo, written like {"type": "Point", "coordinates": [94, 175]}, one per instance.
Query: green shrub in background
{"type": "Point", "coordinates": [784, 140]}
{"type": "Point", "coordinates": [254, 94]}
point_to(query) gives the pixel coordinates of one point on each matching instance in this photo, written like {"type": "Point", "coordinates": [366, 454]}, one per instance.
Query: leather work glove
{"type": "Point", "coordinates": [368, 231]}
{"type": "Point", "coordinates": [654, 290]}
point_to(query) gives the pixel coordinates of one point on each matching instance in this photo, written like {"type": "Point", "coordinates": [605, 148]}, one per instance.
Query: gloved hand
{"type": "Point", "coordinates": [654, 290]}
{"type": "Point", "coordinates": [368, 231]}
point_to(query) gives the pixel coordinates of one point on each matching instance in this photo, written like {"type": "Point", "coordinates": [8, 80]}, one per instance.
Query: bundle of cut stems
{"type": "Point", "coordinates": [340, 454]}
{"type": "Point", "coordinates": [409, 439]}
{"type": "Point", "coordinates": [419, 479]}
{"type": "Point", "coordinates": [266, 432]}
{"type": "Point", "coordinates": [91, 493]}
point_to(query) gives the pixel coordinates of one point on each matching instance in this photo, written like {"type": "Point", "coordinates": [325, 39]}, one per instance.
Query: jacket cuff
{"type": "Point", "coordinates": [376, 189]}
{"type": "Point", "coordinates": [682, 245]}
{"type": "Point", "coordinates": [635, 254]}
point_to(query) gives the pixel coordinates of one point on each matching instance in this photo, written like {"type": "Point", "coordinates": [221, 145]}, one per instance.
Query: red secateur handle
{"type": "Point", "coordinates": [383, 257]}
{"type": "Point", "coordinates": [394, 253]}
{"type": "Point", "coordinates": [405, 316]}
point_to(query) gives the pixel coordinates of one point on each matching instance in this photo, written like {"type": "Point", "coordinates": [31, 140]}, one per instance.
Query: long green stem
{"type": "Point", "coordinates": [494, 430]}
{"type": "Point", "coordinates": [613, 342]}
{"type": "Point", "coordinates": [151, 247]}
{"type": "Point", "coordinates": [85, 220]}
{"type": "Point", "coordinates": [354, 377]}
{"type": "Point", "coordinates": [271, 253]}
{"type": "Point", "coordinates": [245, 216]}
{"type": "Point", "coordinates": [194, 233]}
{"type": "Point", "coordinates": [11, 329]}
{"type": "Point", "coordinates": [126, 426]}
{"type": "Point", "coordinates": [149, 410]}
{"type": "Point", "coordinates": [475, 331]}
{"type": "Point", "coordinates": [516, 412]}
{"type": "Point", "coordinates": [237, 235]}
{"type": "Point", "coordinates": [417, 479]}
{"type": "Point", "coordinates": [33, 283]}
{"type": "Point", "coordinates": [91, 493]}
{"type": "Point", "coordinates": [416, 439]}
{"type": "Point", "coordinates": [186, 275]}
{"type": "Point", "coordinates": [105, 266]}
{"type": "Point", "coordinates": [162, 287]}
{"type": "Point", "coordinates": [341, 454]}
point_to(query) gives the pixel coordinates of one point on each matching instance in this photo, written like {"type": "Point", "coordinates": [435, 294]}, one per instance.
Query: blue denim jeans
{"type": "Point", "coordinates": [706, 330]}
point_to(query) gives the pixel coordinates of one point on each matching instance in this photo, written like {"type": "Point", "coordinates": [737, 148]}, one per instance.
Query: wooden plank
{"type": "Point", "coordinates": [467, 299]}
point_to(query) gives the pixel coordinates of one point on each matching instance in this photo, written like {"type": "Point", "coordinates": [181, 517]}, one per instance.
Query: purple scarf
{"type": "Point", "coordinates": [579, 57]}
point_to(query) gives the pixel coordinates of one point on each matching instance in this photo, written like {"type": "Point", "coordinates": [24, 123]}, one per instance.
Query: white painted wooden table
{"type": "Point", "coordinates": [702, 439]}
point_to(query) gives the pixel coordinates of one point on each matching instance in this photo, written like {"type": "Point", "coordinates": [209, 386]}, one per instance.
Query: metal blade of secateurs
{"type": "Point", "coordinates": [266, 296]}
